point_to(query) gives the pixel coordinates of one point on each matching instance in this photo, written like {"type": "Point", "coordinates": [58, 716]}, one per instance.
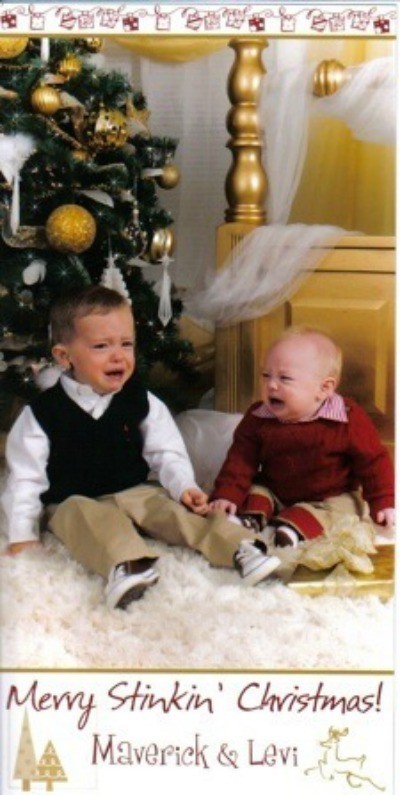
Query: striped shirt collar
{"type": "Point", "coordinates": [333, 408]}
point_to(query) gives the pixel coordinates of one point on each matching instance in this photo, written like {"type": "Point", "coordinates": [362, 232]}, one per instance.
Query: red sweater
{"type": "Point", "coordinates": [308, 461]}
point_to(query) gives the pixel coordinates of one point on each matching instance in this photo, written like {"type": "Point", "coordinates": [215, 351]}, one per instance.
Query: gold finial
{"type": "Point", "coordinates": [328, 78]}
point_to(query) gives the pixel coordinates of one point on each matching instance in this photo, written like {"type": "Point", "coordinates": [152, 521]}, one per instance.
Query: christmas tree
{"type": "Point", "coordinates": [25, 765]}
{"type": "Point", "coordinates": [79, 204]}
{"type": "Point", "coordinates": [49, 768]}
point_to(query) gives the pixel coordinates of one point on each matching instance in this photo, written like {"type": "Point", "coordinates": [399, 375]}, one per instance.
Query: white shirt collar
{"type": "Point", "coordinates": [85, 396]}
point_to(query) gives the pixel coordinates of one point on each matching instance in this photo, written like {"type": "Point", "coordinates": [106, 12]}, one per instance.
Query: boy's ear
{"type": "Point", "coordinates": [60, 354]}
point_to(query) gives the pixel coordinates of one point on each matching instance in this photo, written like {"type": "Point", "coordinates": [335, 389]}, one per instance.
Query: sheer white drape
{"type": "Point", "coordinates": [366, 101]}
{"type": "Point", "coordinates": [273, 260]}
{"type": "Point", "coordinates": [261, 272]}
{"type": "Point", "coordinates": [285, 102]}
{"type": "Point", "coordinates": [189, 102]}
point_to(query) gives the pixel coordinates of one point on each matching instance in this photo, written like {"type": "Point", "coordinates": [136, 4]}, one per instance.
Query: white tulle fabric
{"type": "Point", "coordinates": [269, 265]}
{"type": "Point", "coordinates": [284, 111]}
{"type": "Point", "coordinates": [261, 272]}
{"type": "Point", "coordinates": [189, 102]}
{"type": "Point", "coordinates": [366, 102]}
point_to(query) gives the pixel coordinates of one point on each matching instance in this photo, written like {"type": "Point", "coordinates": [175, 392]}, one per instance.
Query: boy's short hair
{"type": "Point", "coordinates": [330, 352]}
{"type": "Point", "coordinates": [94, 299]}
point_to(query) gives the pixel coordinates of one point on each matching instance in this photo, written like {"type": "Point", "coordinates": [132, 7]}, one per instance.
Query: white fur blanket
{"type": "Point", "coordinates": [53, 612]}
{"type": "Point", "coordinates": [53, 615]}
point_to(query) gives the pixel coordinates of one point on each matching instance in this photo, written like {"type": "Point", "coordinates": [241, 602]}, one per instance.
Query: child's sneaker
{"type": "Point", "coordinates": [286, 536]}
{"type": "Point", "coordinates": [252, 561]}
{"type": "Point", "coordinates": [253, 521]}
{"type": "Point", "coordinates": [124, 587]}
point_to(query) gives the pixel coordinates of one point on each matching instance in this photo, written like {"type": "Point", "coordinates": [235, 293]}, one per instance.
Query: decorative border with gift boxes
{"type": "Point", "coordinates": [274, 19]}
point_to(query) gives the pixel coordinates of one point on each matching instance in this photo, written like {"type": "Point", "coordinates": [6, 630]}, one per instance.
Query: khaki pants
{"type": "Point", "coordinates": [102, 532]}
{"type": "Point", "coordinates": [310, 519]}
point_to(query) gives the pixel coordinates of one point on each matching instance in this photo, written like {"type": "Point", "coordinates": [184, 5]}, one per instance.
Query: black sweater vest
{"type": "Point", "coordinates": [92, 457]}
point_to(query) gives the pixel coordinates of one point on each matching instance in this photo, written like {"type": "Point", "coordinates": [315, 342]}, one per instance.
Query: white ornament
{"type": "Point", "coordinates": [35, 272]}
{"type": "Point", "coordinates": [14, 152]}
{"type": "Point", "coordinates": [165, 306]}
{"type": "Point", "coordinates": [45, 49]}
{"type": "Point", "coordinates": [47, 376]}
{"type": "Point", "coordinates": [113, 278]}
{"type": "Point", "coordinates": [99, 196]}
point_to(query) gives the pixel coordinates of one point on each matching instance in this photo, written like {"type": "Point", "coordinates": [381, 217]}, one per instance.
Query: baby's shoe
{"type": "Point", "coordinates": [252, 561]}
{"type": "Point", "coordinates": [125, 586]}
{"type": "Point", "coordinates": [286, 536]}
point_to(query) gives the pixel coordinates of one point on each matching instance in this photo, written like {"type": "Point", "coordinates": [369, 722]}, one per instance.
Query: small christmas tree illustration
{"type": "Point", "coordinates": [49, 768]}
{"type": "Point", "coordinates": [25, 765]}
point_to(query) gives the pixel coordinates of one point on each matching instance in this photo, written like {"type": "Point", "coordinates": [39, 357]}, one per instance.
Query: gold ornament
{"type": "Point", "coordinates": [162, 243]}
{"type": "Point", "coordinates": [138, 120]}
{"type": "Point", "coordinates": [70, 66]}
{"type": "Point", "coordinates": [45, 100]}
{"type": "Point", "coordinates": [169, 178]}
{"type": "Point", "coordinates": [12, 46]}
{"type": "Point", "coordinates": [134, 232]}
{"type": "Point", "coordinates": [70, 229]}
{"type": "Point", "coordinates": [5, 93]}
{"type": "Point", "coordinates": [94, 43]}
{"type": "Point", "coordinates": [107, 129]}
{"type": "Point", "coordinates": [81, 154]}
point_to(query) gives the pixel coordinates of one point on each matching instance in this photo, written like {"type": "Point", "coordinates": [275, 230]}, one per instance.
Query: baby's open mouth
{"type": "Point", "coordinates": [276, 402]}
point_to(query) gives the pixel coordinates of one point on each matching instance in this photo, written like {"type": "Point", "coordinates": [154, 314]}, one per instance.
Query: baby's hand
{"type": "Point", "coordinates": [20, 546]}
{"type": "Point", "coordinates": [196, 500]}
{"type": "Point", "coordinates": [386, 517]}
{"type": "Point", "coordinates": [223, 505]}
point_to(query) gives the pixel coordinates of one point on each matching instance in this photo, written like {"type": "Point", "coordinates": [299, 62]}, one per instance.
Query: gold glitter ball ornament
{"type": "Point", "coordinates": [70, 66]}
{"type": "Point", "coordinates": [169, 178]}
{"type": "Point", "coordinates": [107, 129]}
{"type": "Point", "coordinates": [70, 229]}
{"type": "Point", "coordinates": [162, 242]}
{"type": "Point", "coordinates": [45, 100]}
{"type": "Point", "coordinates": [12, 46]}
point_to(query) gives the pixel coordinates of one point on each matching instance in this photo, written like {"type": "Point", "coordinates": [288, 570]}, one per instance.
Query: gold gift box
{"type": "Point", "coordinates": [379, 583]}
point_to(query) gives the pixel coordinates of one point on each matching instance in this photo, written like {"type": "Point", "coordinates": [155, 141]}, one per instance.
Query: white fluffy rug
{"type": "Point", "coordinates": [53, 615]}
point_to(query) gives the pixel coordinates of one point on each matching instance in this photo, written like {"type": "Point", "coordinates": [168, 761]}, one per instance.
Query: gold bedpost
{"type": "Point", "coordinates": [246, 190]}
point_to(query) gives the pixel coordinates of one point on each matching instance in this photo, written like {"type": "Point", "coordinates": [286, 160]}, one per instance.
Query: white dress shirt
{"type": "Point", "coordinates": [28, 447]}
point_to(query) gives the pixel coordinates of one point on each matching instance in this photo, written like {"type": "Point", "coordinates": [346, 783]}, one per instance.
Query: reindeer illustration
{"type": "Point", "coordinates": [331, 764]}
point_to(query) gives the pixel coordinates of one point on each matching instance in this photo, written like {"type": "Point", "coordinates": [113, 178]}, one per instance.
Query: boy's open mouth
{"type": "Point", "coordinates": [117, 373]}
{"type": "Point", "coordinates": [276, 402]}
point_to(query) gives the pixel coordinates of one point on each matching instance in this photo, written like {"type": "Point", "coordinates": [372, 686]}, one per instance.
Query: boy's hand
{"type": "Point", "coordinates": [20, 546]}
{"type": "Point", "coordinates": [223, 505]}
{"type": "Point", "coordinates": [386, 517]}
{"type": "Point", "coordinates": [196, 500]}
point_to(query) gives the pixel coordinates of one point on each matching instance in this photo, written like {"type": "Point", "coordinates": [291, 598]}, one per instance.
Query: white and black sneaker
{"type": "Point", "coordinates": [286, 536]}
{"type": "Point", "coordinates": [125, 586]}
{"type": "Point", "coordinates": [252, 561]}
